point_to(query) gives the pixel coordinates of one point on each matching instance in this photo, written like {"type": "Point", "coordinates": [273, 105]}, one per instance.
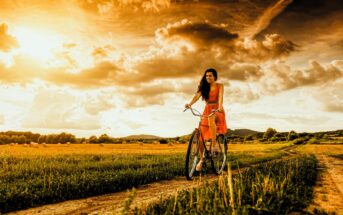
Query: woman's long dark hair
{"type": "Point", "coordinates": [204, 86]}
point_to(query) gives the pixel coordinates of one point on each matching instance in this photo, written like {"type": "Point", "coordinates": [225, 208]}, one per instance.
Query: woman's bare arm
{"type": "Point", "coordinates": [195, 99]}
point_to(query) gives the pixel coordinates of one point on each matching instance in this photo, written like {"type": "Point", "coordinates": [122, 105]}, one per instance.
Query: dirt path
{"type": "Point", "coordinates": [328, 192]}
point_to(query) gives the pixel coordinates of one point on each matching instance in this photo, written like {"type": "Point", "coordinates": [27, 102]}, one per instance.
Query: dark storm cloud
{"type": "Point", "coordinates": [7, 42]}
{"type": "Point", "coordinates": [208, 36]}
{"type": "Point", "coordinates": [304, 20]}
{"type": "Point", "coordinates": [268, 15]}
{"type": "Point", "coordinates": [185, 48]}
{"type": "Point", "coordinates": [202, 34]}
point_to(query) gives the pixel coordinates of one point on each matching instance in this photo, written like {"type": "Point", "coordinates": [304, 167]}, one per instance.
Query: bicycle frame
{"type": "Point", "coordinates": [207, 151]}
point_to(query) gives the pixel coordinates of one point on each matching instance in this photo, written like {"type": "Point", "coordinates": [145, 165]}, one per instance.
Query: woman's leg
{"type": "Point", "coordinates": [213, 129]}
{"type": "Point", "coordinates": [201, 149]}
{"type": "Point", "coordinates": [201, 153]}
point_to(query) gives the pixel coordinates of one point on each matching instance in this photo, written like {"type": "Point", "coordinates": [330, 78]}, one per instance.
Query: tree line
{"type": "Point", "coordinates": [270, 135]}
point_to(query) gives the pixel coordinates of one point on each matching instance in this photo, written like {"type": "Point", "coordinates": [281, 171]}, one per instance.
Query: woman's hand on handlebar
{"type": "Point", "coordinates": [187, 106]}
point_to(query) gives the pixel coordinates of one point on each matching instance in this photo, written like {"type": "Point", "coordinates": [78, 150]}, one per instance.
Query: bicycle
{"type": "Point", "coordinates": [218, 160]}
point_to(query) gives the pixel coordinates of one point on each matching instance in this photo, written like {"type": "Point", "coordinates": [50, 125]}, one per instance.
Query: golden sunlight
{"type": "Point", "coordinates": [37, 44]}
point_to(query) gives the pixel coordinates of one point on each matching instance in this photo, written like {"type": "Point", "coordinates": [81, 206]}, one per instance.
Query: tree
{"type": "Point", "coordinates": [14, 139]}
{"type": "Point", "coordinates": [93, 139]}
{"type": "Point", "coordinates": [22, 139]}
{"type": "Point", "coordinates": [42, 139]}
{"type": "Point", "coordinates": [269, 133]}
{"type": "Point", "coordinates": [292, 135]}
{"type": "Point", "coordinates": [104, 138]}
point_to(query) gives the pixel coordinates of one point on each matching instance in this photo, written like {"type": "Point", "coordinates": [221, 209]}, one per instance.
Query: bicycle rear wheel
{"type": "Point", "coordinates": [219, 158]}
{"type": "Point", "coordinates": [192, 156]}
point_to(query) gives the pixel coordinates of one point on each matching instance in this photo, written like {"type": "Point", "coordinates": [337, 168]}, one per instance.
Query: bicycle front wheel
{"type": "Point", "coordinates": [219, 158]}
{"type": "Point", "coordinates": [192, 156]}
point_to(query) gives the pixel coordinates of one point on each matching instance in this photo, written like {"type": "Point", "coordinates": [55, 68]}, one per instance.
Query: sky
{"type": "Point", "coordinates": [128, 67]}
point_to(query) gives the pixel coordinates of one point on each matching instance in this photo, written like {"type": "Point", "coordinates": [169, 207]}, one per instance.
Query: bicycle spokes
{"type": "Point", "coordinates": [219, 157]}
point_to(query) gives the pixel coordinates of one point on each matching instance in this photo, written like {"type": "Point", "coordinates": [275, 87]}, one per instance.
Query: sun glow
{"type": "Point", "coordinates": [38, 45]}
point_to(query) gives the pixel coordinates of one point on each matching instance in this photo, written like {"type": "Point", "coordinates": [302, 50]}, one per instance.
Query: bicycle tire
{"type": "Point", "coordinates": [218, 160]}
{"type": "Point", "coordinates": [192, 155]}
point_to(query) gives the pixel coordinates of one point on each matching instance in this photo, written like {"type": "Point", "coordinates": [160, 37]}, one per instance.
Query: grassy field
{"type": "Point", "coordinates": [32, 175]}
{"type": "Point", "coordinates": [103, 149]}
{"type": "Point", "coordinates": [321, 149]}
{"type": "Point", "coordinates": [271, 188]}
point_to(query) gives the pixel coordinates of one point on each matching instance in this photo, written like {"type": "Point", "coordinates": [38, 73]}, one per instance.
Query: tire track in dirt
{"type": "Point", "coordinates": [328, 192]}
{"type": "Point", "coordinates": [113, 203]}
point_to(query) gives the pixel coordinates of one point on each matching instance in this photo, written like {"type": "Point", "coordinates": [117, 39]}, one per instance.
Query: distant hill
{"type": "Point", "coordinates": [242, 132]}
{"type": "Point", "coordinates": [142, 136]}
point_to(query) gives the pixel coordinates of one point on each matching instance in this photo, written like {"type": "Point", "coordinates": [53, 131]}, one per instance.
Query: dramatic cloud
{"type": "Point", "coordinates": [243, 72]}
{"type": "Point", "coordinates": [7, 42]}
{"type": "Point", "coordinates": [58, 110]}
{"type": "Point", "coordinates": [100, 57]}
{"type": "Point", "coordinates": [199, 34]}
{"type": "Point", "coordinates": [280, 77]}
{"type": "Point", "coordinates": [187, 48]}
{"type": "Point", "coordinates": [205, 37]}
{"type": "Point", "coordinates": [318, 17]}
{"type": "Point", "coordinates": [266, 18]}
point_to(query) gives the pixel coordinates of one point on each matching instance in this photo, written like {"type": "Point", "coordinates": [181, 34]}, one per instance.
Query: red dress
{"type": "Point", "coordinates": [212, 104]}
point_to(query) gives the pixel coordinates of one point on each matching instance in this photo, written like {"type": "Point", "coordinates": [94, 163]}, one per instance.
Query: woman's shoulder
{"type": "Point", "coordinates": [220, 85]}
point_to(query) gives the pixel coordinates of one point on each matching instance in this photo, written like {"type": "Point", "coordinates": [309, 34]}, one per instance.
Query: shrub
{"type": "Point", "coordinates": [313, 141]}
{"type": "Point", "coordinates": [163, 141]}
{"type": "Point", "coordinates": [248, 138]}
{"type": "Point", "coordinates": [299, 141]}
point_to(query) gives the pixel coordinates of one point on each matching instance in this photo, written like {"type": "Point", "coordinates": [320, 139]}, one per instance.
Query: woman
{"type": "Point", "coordinates": [212, 93]}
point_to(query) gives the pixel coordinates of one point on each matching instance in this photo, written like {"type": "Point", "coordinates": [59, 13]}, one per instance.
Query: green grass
{"type": "Point", "coordinates": [270, 188]}
{"type": "Point", "coordinates": [35, 180]}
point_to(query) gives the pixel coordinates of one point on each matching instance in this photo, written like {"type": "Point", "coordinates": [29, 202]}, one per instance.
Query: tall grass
{"type": "Point", "coordinates": [271, 188]}
{"type": "Point", "coordinates": [26, 182]}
